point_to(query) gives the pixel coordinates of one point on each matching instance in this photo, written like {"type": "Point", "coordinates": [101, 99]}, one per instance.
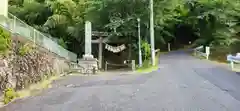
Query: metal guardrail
{"type": "Point", "coordinates": [233, 60]}
{"type": "Point", "coordinates": [199, 52]}
{"type": "Point", "coordinates": [15, 25]}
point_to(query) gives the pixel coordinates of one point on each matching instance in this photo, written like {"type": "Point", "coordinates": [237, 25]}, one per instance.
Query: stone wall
{"type": "Point", "coordinates": [27, 63]}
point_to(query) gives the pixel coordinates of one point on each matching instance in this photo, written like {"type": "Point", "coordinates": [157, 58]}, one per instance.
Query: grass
{"type": "Point", "coordinates": [31, 90]}
{"type": "Point", "coordinates": [36, 88]}
{"type": "Point", "coordinates": [147, 67]}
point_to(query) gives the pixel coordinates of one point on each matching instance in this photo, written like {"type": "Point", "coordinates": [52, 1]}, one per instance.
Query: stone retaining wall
{"type": "Point", "coordinates": [19, 71]}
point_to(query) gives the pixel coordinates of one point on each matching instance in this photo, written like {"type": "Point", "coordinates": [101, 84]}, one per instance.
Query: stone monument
{"type": "Point", "coordinates": [88, 62]}
{"type": "Point", "coordinates": [3, 12]}
{"type": "Point", "coordinates": [4, 8]}
{"type": "Point", "coordinates": [88, 41]}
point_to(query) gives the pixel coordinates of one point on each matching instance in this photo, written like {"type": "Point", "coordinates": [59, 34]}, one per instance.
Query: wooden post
{"type": "Point", "coordinates": [100, 52]}
{"type": "Point", "coordinates": [106, 66]}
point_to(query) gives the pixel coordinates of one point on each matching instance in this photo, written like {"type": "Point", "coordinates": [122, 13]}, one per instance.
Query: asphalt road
{"type": "Point", "coordinates": [182, 83]}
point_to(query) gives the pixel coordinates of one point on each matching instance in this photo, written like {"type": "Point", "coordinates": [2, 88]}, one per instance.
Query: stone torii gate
{"type": "Point", "coordinates": [88, 62]}
{"type": "Point", "coordinates": [103, 37]}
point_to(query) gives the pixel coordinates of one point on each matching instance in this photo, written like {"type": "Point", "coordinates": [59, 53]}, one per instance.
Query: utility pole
{"type": "Point", "coordinates": [139, 44]}
{"type": "Point", "coordinates": [152, 32]}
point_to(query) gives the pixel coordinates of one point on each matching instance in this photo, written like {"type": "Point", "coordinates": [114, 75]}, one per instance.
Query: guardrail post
{"type": "Point", "coordinates": [34, 37]}
{"type": "Point", "coordinates": [14, 23]}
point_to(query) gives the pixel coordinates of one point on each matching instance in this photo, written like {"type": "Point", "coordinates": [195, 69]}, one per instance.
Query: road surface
{"type": "Point", "coordinates": [182, 83]}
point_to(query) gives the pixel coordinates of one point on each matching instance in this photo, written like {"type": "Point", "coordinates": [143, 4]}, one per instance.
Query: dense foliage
{"type": "Point", "coordinates": [209, 22]}
{"type": "Point", "coordinates": [5, 41]}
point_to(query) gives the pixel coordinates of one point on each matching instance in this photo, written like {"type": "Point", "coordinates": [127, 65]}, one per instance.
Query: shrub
{"type": "Point", "coordinates": [9, 95]}
{"type": "Point", "coordinates": [146, 48]}
{"type": "Point", "coordinates": [24, 49]}
{"type": "Point", "coordinates": [5, 41]}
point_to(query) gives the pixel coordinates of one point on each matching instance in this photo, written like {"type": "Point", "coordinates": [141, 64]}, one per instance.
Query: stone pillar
{"type": "Point", "coordinates": [88, 63]}
{"type": "Point", "coordinates": [4, 8]}
{"type": "Point", "coordinates": [88, 41]}
{"type": "Point", "coordinates": [3, 12]}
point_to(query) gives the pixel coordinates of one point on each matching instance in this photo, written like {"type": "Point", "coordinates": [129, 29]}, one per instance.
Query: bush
{"type": "Point", "coordinates": [9, 95]}
{"type": "Point", "coordinates": [5, 41]}
{"type": "Point", "coordinates": [25, 48]}
{"type": "Point", "coordinates": [146, 48]}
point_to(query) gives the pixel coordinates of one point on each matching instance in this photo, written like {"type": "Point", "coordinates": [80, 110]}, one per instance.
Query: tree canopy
{"type": "Point", "coordinates": [207, 22]}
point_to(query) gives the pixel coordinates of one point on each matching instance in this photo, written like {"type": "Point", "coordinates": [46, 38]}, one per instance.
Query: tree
{"type": "Point", "coordinates": [214, 22]}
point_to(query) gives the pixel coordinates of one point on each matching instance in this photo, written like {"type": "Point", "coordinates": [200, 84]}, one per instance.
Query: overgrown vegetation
{"type": "Point", "coordinates": [147, 66]}
{"type": "Point", "coordinates": [146, 50]}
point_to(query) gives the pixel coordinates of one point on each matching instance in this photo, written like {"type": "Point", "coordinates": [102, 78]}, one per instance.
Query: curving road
{"type": "Point", "coordinates": [182, 83]}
